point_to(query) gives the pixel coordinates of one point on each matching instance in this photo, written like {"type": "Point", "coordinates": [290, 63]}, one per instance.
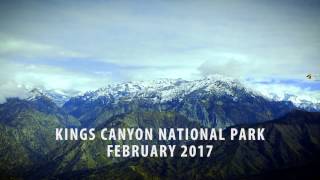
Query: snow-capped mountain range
{"type": "Point", "coordinates": [164, 90]}
{"type": "Point", "coordinates": [302, 101]}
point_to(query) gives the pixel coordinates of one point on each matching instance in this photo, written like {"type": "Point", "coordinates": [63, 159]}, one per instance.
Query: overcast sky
{"type": "Point", "coordinates": [82, 45]}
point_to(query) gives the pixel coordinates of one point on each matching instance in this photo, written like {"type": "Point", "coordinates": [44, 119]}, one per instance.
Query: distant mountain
{"type": "Point", "coordinates": [167, 90]}
{"type": "Point", "coordinates": [164, 90]}
{"type": "Point", "coordinates": [303, 102]}
{"type": "Point", "coordinates": [58, 97]}
{"type": "Point", "coordinates": [215, 101]}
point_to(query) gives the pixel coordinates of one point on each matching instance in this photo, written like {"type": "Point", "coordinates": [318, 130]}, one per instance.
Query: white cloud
{"type": "Point", "coordinates": [18, 48]}
{"type": "Point", "coordinates": [16, 78]}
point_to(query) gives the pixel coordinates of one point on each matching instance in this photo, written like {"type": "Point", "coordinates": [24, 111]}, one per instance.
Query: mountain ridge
{"type": "Point", "coordinates": [215, 101]}
{"type": "Point", "coordinates": [165, 89]}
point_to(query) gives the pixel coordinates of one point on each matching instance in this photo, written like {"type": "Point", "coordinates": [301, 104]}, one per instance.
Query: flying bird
{"type": "Point", "coordinates": [315, 77]}
{"type": "Point", "coordinates": [309, 76]}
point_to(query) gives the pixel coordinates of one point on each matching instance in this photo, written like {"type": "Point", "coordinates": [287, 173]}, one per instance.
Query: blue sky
{"type": "Point", "coordinates": [82, 45]}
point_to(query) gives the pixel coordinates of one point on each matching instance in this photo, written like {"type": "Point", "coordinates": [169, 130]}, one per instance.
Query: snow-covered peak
{"type": "Point", "coordinates": [57, 96]}
{"type": "Point", "coordinates": [303, 98]}
{"type": "Point", "coordinates": [163, 90]}
{"type": "Point", "coordinates": [303, 101]}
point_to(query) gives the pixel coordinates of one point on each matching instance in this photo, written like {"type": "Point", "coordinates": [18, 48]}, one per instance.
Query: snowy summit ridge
{"type": "Point", "coordinates": [163, 90]}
